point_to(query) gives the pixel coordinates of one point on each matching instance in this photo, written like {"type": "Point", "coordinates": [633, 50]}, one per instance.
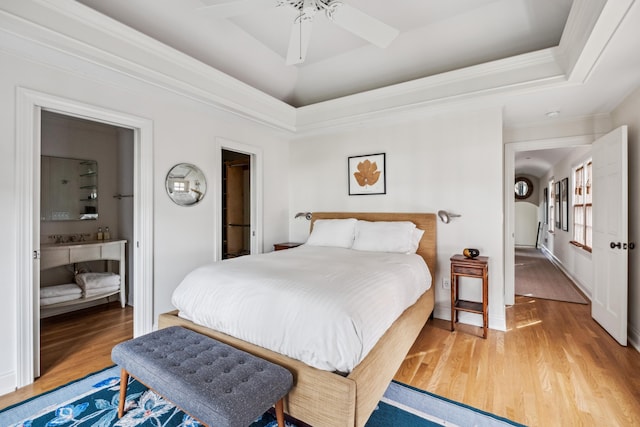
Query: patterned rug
{"type": "Point", "coordinates": [93, 401]}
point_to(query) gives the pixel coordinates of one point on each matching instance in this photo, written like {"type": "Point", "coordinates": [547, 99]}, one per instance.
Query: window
{"type": "Point", "coordinates": [582, 208]}
{"type": "Point", "coordinates": [551, 213]}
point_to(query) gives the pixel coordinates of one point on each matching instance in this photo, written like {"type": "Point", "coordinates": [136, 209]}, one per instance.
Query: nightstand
{"type": "Point", "coordinates": [477, 268]}
{"type": "Point", "coordinates": [285, 245]}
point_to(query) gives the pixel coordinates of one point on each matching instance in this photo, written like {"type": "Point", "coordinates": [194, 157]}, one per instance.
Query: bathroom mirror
{"type": "Point", "coordinates": [186, 184]}
{"type": "Point", "coordinates": [68, 189]}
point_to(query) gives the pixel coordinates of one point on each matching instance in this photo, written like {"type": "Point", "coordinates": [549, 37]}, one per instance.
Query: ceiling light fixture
{"type": "Point", "coordinates": [341, 14]}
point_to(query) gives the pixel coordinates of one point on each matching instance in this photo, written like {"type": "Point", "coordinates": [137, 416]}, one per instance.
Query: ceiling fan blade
{"type": "Point", "coordinates": [361, 24]}
{"type": "Point", "coordinates": [299, 41]}
{"type": "Point", "coordinates": [230, 8]}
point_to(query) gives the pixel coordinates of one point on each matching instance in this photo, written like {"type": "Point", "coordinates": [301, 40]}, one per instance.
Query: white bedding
{"type": "Point", "coordinates": [324, 306]}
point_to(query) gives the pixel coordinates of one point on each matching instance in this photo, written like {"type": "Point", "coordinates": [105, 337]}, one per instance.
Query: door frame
{"type": "Point", "coordinates": [29, 104]}
{"type": "Point", "coordinates": [510, 150]}
{"type": "Point", "coordinates": [255, 172]}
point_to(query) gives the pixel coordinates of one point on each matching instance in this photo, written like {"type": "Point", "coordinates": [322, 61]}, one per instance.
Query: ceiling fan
{"type": "Point", "coordinates": [339, 12]}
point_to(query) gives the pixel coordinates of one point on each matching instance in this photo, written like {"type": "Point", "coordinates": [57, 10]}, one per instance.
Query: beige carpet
{"type": "Point", "coordinates": [538, 277]}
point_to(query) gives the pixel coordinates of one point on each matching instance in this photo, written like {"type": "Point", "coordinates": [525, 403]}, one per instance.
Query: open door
{"type": "Point", "coordinates": [610, 234]}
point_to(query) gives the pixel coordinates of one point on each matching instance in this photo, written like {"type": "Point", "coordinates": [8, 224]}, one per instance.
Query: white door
{"type": "Point", "coordinates": [610, 233]}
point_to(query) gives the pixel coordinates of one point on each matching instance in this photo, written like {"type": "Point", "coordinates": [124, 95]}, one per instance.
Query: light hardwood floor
{"type": "Point", "coordinates": [554, 366]}
{"type": "Point", "coordinates": [76, 344]}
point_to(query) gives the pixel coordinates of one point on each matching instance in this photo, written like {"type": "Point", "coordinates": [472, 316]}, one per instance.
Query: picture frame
{"type": "Point", "coordinates": [564, 203]}
{"type": "Point", "coordinates": [545, 203]}
{"type": "Point", "coordinates": [556, 207]}
{"type": "Point", "coordinates": [367, 174]}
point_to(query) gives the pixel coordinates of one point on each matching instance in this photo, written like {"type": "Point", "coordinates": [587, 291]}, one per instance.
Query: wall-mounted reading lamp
{"type": "Point", "coordinates": [446, 216]}
{"type": "Point", "coordinates": [306, 215]}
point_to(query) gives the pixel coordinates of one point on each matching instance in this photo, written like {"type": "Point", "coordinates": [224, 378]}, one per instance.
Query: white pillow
{"type": "Point", "coordinates": [415, 240]}
{"type": "Point", "coordinates": [384, 236]}
{"type": "Point", "coordinates": [337, 233]}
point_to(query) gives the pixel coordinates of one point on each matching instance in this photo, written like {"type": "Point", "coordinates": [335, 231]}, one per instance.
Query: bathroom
{"type": "Point", "coordinates": [86, 196]}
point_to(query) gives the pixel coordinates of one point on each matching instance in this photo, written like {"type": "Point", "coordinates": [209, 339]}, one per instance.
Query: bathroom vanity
{"type": "Point", "coordinates": [61, 254]}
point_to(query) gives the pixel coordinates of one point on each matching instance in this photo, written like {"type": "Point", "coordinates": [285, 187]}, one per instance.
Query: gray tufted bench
{"type": "Point", "coordinates": [213, 382]}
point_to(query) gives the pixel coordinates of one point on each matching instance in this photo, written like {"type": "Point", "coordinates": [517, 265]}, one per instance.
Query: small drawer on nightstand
{"type": "Point", "coordinates": [467, 270]}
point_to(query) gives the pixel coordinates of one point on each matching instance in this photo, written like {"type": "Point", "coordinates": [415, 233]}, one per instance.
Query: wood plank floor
{"type": "Point", "coordinates": [554, 365]}
{"type": "Point", "coordinates": [74, 345]}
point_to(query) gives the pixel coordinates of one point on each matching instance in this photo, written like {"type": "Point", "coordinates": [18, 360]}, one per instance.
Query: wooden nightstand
{"type": "Point", "coordinates": [478, 268]}
{"type": "Point", "coordinates": [285, 245]}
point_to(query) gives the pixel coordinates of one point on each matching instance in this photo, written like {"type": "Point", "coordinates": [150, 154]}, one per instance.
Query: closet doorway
{"type": "Point", "coordinates": [236, 204]}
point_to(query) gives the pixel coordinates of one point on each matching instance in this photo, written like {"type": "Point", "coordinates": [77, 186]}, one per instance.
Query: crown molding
{"type": "Point", "coordinates": [72, 28]}
{"type": "Point", "coordinates": [522, 72]}
{"type": "Point", "coordinates": [590, 26]}
{"type": "Point", "coordinates": [75, 30]}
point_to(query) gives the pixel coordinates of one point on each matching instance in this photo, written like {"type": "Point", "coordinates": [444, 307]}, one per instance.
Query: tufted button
{"type": "Point", "coordinates": [244, 380]}
{"type": "Point", "coordinates": [226, 370]}
{"type": "Point", "coordinates": [241, 362]}
{"type": "Point", "coordinates": [208, 380]}
{"type": "Point", "coordinates": [228, 391]}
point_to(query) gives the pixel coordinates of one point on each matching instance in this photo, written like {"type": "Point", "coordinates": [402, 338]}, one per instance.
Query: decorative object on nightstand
{"type": "Point", "coordinates": [470, 252]}
{"type": "Point", "coordinates": [285, 245]}
{"type": "Point", "coordinates": [477, 268]}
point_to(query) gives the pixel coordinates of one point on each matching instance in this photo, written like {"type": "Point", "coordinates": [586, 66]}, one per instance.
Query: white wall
{"type": "Point", "coordinates": [628, 113]}
{"type": "Point", "coordinates": [451, 162]}
{"type": "Point", "coordinates": [183, 131]}
{"type": "Point", "coordinates": [526, 217]}
{"type": "Point", "coordinates": [574, 260]}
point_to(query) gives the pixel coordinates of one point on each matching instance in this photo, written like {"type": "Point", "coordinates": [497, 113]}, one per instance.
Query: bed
{"type": "Point", "coordinates": [325, 398]}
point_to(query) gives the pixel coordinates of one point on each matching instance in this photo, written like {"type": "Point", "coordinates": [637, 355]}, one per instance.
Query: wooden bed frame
{"type": "Point", "coordinates": [322, 398]}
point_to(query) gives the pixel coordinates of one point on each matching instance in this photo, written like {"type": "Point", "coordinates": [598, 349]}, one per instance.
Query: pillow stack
{"type": "Point", "coordinates": [377, 236]}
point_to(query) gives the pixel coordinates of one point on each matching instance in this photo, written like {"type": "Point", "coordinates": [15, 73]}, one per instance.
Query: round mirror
{"type": "Point", "coordinates": [186, 184]}
{"type": "Point", "coordinates": [523, 188]}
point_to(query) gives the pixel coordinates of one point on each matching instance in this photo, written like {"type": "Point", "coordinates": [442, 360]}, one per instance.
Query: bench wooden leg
{"type": "Point", "coordinates": [124, 382]}
{"type": "Point", "coordinates": [280, 412]}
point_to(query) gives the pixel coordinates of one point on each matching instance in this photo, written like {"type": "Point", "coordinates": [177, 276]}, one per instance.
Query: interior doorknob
{"type": "Point", "coordinates": [632, 245]}
{"type": "Point", "coordinates": [615, 245]}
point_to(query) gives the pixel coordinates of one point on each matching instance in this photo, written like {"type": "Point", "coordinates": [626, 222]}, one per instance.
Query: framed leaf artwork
{"type": "Point", "coordinates": [367, 174]}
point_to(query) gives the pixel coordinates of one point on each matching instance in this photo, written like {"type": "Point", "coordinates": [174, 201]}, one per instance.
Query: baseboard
{"type": "Point", "coordinates": [551, 257]}
{"type": "Point", "coordinates": [633, 336]}
{"type": "Point", "coordinates": [8, 383]}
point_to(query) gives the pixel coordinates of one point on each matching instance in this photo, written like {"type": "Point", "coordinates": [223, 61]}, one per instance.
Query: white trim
{"type": "Point", "coordinates": [510, 150]}
{"type": "Point", "coordinates": [29, 103]}
{"type": "Point", "coordinates": [74, 29]}
{"type": "Point", "coordinates": [256, 192]}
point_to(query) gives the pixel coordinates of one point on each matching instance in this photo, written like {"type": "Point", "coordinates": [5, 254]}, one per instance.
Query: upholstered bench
{"type": "Point", "coordinates": [213, 382]}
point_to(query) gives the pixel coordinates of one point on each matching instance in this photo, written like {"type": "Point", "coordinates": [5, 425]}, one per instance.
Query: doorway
{"type": "Point", "coordinates": [510, 150]}
{"type": "Point", "coordinates": [86, 172]}
{"type": "Point", "coordinates": [248, 160]}
{"type": "Point", "coordinates": [236, 204]}
{"type": "Point", "coordinates": [29, 108]}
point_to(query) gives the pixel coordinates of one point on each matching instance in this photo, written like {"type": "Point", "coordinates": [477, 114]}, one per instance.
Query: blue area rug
{"type": "Point", "coordinates": [93, 401]}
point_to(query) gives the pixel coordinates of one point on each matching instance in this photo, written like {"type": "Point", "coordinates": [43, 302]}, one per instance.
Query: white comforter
{"type": "Point", "coordinates": [324, 306]}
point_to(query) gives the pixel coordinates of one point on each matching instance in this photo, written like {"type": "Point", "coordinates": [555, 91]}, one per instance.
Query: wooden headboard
{"type": "Point", "coordinates": [424, 221]}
